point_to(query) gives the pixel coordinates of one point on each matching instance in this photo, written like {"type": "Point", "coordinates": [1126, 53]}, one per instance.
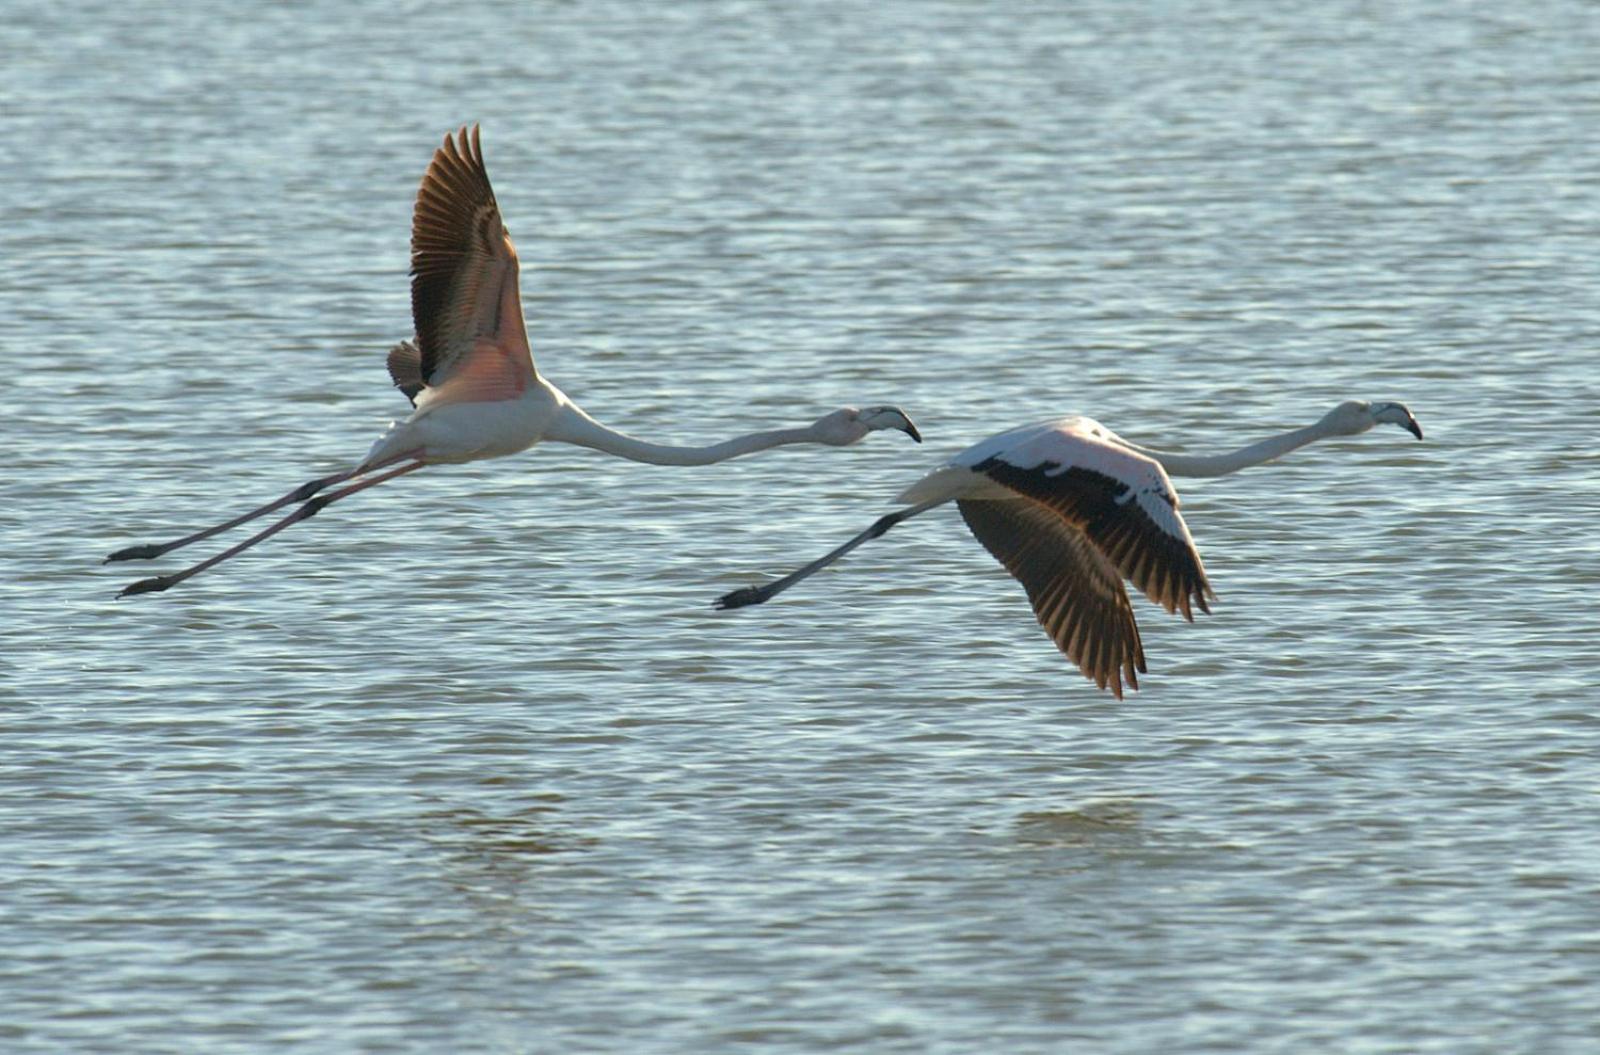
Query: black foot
{"type": "Point", "coordinates": [152, 585]}
{"type": "Point", "coordinates": [146, 552]}
{"type": "Point", "coordinates": [740, 598]}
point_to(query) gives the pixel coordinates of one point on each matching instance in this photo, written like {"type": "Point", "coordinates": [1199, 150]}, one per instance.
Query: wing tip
{"type": "Point", "coordinates": [462, 148]}
{"type": "Point", "coordinates": [405, 369]}
{"type": "Point", "coordinates": [461, 138]}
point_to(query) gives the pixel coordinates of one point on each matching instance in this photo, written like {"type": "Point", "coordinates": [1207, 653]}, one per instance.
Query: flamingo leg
{"type": "Point", "coordinates": [150, 551]}
{"type": "Point", "coordinates": [308, 510]}
{"type": "Point", "coordinates": [748, 595]}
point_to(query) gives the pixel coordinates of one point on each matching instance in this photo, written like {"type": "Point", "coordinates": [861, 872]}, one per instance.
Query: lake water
{"type": "Point", "coordinates": [469, 764]}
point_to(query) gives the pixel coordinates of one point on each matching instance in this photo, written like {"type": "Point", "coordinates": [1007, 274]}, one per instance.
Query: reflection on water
{"type": "Point", "coordinates": [1091, 824]}
{"type": "Point", "coordinates": [469, 764]}
{"type": "Point", "coordinates": [498, 842]}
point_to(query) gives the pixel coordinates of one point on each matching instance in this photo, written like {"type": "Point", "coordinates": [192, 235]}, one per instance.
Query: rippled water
{"type": "Point", "coordinates": [469, 764]}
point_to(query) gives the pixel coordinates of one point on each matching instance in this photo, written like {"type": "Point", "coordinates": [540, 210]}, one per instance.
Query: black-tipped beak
{"type": "Point", "coordinates": [884, 417]}
{"type": "Point", "coordinates": [1396, 414]}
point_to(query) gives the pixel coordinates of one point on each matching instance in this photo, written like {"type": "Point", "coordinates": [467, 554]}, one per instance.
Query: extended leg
{"type": "Point", "coordinates": [749, 595]}
{"type": "Point", "coordinates": [299, 494]}
{"type": "Point", "coordinates": [310, 509]}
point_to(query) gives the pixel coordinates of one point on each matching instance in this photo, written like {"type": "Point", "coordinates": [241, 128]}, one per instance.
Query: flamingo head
{"type": "Point", "coordinates": [846, 426]}
{"type": "Point", "coordinates": [1356, 416]}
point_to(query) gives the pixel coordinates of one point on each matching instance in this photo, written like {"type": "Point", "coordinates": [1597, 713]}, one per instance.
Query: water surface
{"type": "Point", "coordinates": [469, 764]}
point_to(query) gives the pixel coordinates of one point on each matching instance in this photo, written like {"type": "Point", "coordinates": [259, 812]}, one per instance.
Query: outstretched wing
{"type": "Point", "coordinates": [1120, 499]}
{"type": "Point", "coordinates": [1076, 593]}
{"type": "Point", "coordinates": [464, 299]}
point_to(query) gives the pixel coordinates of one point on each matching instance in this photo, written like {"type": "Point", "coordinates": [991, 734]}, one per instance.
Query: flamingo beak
{"type": "Point", "coordinates": [1397, 414]}
{"type": "Point", "coordinates": [1410, 422]}
{"type": "Point", "coordinates": [891, 418]}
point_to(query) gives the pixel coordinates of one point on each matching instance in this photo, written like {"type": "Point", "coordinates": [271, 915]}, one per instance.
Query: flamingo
{"type": "Point", "coordinates": [469, 374]}
{"type": "Point", "coordinates": [1071, 509]}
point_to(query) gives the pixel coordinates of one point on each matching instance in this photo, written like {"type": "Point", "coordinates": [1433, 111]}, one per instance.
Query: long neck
{"type": "Point", "coordinates": [1243, 458]}
{"type": "Point", "coordinates": [572, 425]}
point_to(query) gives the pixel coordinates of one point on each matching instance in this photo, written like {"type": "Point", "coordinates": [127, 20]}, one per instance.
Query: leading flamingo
{"type": "Point", "coordinates": [470, 374]}
{"type": "Point", "coordinates": [1071, 509]}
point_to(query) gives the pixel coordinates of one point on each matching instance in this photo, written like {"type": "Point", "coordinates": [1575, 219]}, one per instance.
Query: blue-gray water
{"type": "Point", "coordinates": [469, 764]}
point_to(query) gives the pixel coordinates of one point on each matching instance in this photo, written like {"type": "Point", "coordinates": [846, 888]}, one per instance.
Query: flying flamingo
{"type": "Point", "coordinates": [470, 374]}
{"type": "Point", "coordinates": [1071, 509]}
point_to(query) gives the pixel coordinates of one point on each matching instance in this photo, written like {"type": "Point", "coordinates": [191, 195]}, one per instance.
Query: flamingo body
{"type": "Point", "coordinates": [447, 432]}
{"type": "Point", "coordinates": [1071, 510]}
{"type": "Point", "coordinates": [469, 373]}
{"type": "Point", "coordinates": [997, 467]}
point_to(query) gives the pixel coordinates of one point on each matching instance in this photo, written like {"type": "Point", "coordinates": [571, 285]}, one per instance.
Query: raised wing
{"type": "Point", "coordinates": [464, 299]}
{"type": "Point", "coordinates": [1076, 593]}
{"type": "Point", "coordinates": [1121, 500]}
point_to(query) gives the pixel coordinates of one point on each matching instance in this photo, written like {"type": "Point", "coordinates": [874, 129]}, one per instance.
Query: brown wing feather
{"type": "Point", "coordinates": [1075, 592]}
{"type": "Point", "coordinates": [463, 265]}
{"type": "Point", "coordinates": [1165, 566]}
{"type": "Point", "coordinates": [405, 369]}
